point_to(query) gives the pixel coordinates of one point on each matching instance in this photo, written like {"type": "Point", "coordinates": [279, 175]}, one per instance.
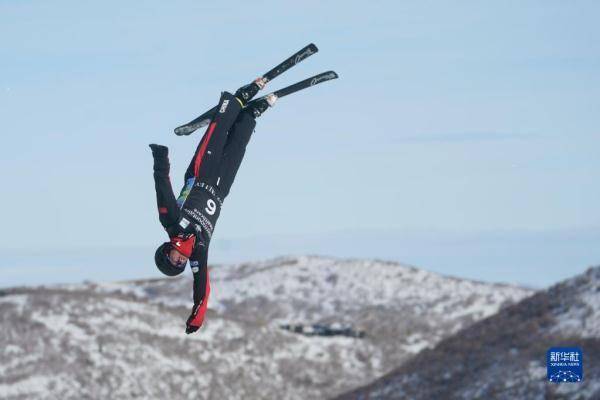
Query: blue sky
{"type": "Point", "coordinates": [452, 121]}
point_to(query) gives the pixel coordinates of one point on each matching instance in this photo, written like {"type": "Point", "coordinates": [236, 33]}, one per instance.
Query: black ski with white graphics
{"type": "Point", "coordinates": [206, 117]}
{"type": "Point", "coordinates": [305, 84]}
{"type": "Point", "coordinates": [312, 81]}
{"type": "Point", "coordinates": [296, 58]}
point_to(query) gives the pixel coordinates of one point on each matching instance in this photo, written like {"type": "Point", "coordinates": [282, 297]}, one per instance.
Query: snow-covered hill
{"type": "Point", "coordinates": [126, 340]}
{"type": "Point", "coordinates": [503, 357]}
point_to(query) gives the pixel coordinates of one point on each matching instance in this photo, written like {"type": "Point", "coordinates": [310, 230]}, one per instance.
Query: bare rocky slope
{"type": "Point", "coordinates": [126, 340]}
{"type": "Point", "coordinates": [504, 356]}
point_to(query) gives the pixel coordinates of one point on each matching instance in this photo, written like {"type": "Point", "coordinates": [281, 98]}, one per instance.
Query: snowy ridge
{"type": "Point", "coordinates": [580, 313]}
{"type": "Point", "coordinates": [503, 357]}
{"type": "Point", "coordinates": [322, 285]}
{"type": "Point", "coordinates": [126, 340]}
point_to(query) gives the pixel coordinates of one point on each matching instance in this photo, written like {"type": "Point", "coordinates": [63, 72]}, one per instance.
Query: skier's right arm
{"type": "Point", "coordinates": [198, 262]}
{"type": "Point", "coordinates": [168, 211]}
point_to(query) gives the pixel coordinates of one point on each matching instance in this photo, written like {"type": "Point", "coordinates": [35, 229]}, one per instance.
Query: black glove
{"type": "Point", "coordinates": [196, 319]}
{"type": "Point", "coordinates": [159, 150]}
{"type": "Point", "coordinates": [191, 329]}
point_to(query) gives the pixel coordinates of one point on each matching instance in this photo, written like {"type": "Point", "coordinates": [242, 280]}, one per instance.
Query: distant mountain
{"type": "Point", "coordinates": [126, 340]}
{"type": "Point", "coordinates": [503, 357]}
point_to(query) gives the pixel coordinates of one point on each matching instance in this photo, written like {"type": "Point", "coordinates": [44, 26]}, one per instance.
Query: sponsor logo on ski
{"type": "Point", "coordinates": [184, 223]}
{"type": "Point", "coordinates": [224, 106]}
{"type": "Point", "coordinates": [303, 55]}
{"type": "Point", "coordinates": [322, 78]}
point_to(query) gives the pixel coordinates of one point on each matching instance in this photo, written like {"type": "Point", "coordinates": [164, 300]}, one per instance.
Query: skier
{"type": "Point", "coordinates": [190, 219]}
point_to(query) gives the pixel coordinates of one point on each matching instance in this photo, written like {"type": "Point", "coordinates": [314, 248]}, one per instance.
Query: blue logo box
{"type": "Point", "coordinates": [564, 364]}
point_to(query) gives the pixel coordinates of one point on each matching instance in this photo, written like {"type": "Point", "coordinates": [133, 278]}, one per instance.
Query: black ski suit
{"type": "Point", "coordinates": [208, 180]}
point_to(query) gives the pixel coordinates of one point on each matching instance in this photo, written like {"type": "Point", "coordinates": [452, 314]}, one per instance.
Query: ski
{"type": "Point", "coordinates": [294, 59]}
{"type": "Point", "coordinates": [312, 81]}
{"type": "Point", "coordinates": [305, 84]}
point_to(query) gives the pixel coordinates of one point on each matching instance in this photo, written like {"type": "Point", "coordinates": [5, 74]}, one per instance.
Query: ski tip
{"type": "Point", "coordinates": [324, 76]}
{"type": "Point", "coordinates": [313, 47]}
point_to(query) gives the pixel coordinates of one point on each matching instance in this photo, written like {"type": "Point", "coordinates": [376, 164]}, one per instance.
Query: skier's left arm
{"type": "Point", "coordinates": [201, 288]}
{"type": "Point", "coordinates": [168, 211]}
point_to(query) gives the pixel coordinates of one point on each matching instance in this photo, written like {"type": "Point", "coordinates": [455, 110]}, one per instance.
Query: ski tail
{"type": "Point", "coordinates": [196, 124]}
{"type": "Point", "coordinates": [291, 61]}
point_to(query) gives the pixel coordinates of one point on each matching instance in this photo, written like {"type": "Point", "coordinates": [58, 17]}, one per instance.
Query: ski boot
{"type": "Point", "coordinates": [259, 106]}
{"type": "Point", "coordinates": [247, 92]}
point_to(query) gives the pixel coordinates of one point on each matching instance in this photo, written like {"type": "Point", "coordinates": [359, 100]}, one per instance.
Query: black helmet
{"type": "Point", "coordinates": [161, 258]}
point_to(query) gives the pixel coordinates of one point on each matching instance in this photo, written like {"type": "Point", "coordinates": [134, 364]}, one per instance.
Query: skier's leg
{"type": "Point", "coordinates": [208, 154]}
{"type": "Point", "coordinates": [234, 151]}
